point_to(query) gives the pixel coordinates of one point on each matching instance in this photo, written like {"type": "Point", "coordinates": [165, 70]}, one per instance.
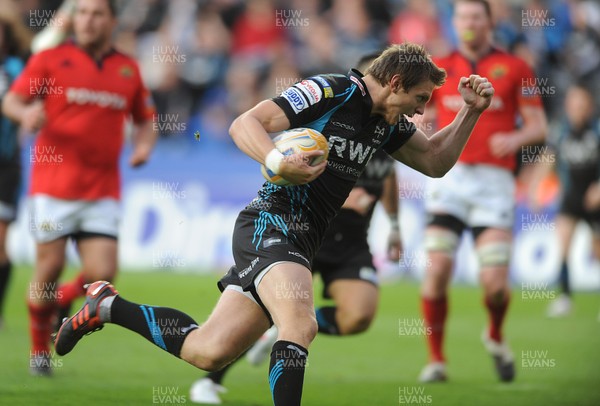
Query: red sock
{"type": "Point", "coordinates": [69, 291]}
{"type": "Point", "coordinates": [40, 326]}
{"type": "Point", "coordinates": [435, 311]}
{"type": "Point", "coordinates": [497, 311]}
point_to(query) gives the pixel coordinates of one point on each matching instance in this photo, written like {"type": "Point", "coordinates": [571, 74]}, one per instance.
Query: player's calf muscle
{"type": "Point", "coordinates": [204, 356]}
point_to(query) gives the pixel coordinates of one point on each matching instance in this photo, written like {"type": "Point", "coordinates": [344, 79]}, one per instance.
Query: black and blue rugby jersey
{"type": "Point", "coordinates": [338, 106]}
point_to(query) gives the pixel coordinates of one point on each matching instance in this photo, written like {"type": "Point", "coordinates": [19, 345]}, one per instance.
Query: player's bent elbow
{"type": "Point", "coordinates": [6, 106]}
{"type": "Point", "coordinates": [435, 171]}
{"type": "Point", "coordinates": [234, 129]}
{"type": "Point", "coordinates": [11, 107]}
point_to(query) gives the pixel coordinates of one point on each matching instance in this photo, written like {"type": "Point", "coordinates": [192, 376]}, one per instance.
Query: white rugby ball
{"type": "Point", "coordinates": [293, 142]}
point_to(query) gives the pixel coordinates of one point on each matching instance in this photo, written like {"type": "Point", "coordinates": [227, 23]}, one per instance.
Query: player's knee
{"type": "Point", "coordinates": [355, 322]}
{"type": "Point", "coordinates": [302, 330]}
{"type": "Point", "coordinates": [310, 328]}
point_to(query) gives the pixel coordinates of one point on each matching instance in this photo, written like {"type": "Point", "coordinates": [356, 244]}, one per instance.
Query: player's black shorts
{"type": "Point", "coordinates": [10, 181]}
{"type": "Point", "coordinates": [573, 206]}
{"type": "Point", "coordinates": [338, 260]}
{"type": "Point", "coordinates": [254, 251]}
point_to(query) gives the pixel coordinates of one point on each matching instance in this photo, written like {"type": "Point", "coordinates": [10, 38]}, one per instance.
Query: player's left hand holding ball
{"type": "Point", "coordinates": [295, 168]}
{"type": "Point", "coordinates": [476, 91]}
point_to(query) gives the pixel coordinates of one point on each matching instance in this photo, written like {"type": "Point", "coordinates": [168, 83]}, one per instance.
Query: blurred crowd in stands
{"type": "Point", "coordinates": [207, 61]}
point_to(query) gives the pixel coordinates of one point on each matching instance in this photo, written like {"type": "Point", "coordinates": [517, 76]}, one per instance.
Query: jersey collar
{"type": "Point", "coordinates": [98, 62]}
{"type": "Point", "coordinates": [355, 77]}
{"type": "Point", "coordinates": [493, 50]}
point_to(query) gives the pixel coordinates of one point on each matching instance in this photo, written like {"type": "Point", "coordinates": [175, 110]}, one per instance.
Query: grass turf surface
{"type": "Point", "coordinates": [118, 367]}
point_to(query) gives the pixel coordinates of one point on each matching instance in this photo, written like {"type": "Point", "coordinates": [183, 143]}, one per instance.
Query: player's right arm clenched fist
{"type": "Point", "coordinates": [477, 92]}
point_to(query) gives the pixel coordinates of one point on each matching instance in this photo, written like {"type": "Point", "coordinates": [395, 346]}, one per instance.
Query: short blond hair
{"type": "Point", "coordinates": [411, 62]}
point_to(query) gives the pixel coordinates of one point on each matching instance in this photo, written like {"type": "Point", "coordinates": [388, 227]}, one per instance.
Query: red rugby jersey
{"type": "Point", "coordinates": [515, 86]}
{"type": "Point", "coordinates": [76, 154]}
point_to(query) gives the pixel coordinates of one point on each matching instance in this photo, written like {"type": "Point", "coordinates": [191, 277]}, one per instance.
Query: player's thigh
{"type": "Point", "coordinates": [493, 248]}
{"type": "Point", "coordinates": [287, 293]}
{"type": "Point", "coordinates": [565, 229]}
{"type": "Point", "coordinates": [356, 299]}
{"type": "Point", "coordinates": [442, 237]}
{"type": "Point", "coordinates": [236, 322]}
{"type": "Point", "coordinates": [98, 255]}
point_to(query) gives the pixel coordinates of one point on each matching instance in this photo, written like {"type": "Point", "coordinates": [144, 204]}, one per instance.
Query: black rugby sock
{"type": "Point", "coordinates": [326, 320]}
{"type": "Point", "coordinates": [217, 376]}
{"type": "Point", "coordinates": [565, 286]}
{"type": "Point", "coordinates": [164, 327]}
{"type": "Point", "coordinates": [286, 373]}
{"type": "Point", "coordinates": [4, 278]}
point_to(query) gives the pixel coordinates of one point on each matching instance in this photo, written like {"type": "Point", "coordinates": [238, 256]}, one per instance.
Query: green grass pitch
{"type": "Point", "coordinates": [558, 361]}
